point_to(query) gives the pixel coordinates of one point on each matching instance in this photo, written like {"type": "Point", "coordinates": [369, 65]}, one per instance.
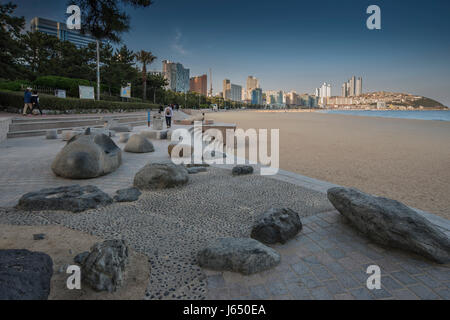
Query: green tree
{"type": "Point", "coordinates": [47, 55]}
{"type": "Point", "coordinates": [120, 70]}
{"type": "Point", "coordinates": [106, 20]}
{"type": "Point", "coordinates": [144, 57]}
{"type": "Point", "coordinates": [10, 47]}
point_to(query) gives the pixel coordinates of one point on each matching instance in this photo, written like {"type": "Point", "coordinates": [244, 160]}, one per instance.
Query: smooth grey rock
{"type": "Point", "coordinates": [138, 144]}
{"type": "Point", "coordinates": [163, 134]}
{"type": "Point", "coordinates": [124, 137]}
{"type": "Point", "coordinates": [68, 198]}
{"type": "Point", "coordinates": [69, 134]}
{"type": "Point", "coordinates": [161, 175]}
{"type": "Point", "coordinates": [277, 225]}
{"type": "Point", "coordinates": [24, 275]}
{"type": "Point", "coordinates": [39, 236]}
{"type": "Point", "coordinates": [391, 223]}
{"type": "Point", "coordinates": [149, 134]}
{"type": "Point", "coordinates": [81, 257]}
{"type": "Point", "coordinates": [104, 267]}
{"type": "Point", "coordinates": [244, 255]}
{"type": "Point", "coordinates": [51, 134]}
{"type": "Point", "coordinates": [195, 170]}
{"type": "Point", "coordinates": [127, 195]}
{"type": "Point", "coordinates": [87, 156]}
{"type": "Point", "coordinates": [240, 170]}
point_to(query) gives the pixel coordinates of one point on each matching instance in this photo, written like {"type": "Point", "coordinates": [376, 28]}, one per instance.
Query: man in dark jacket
{"type": "Point", "coordinates": [35, 101]}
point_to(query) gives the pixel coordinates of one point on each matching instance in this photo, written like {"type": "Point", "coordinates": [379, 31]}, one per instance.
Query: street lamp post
{"type": "Point", "coordinates": [98, 69]}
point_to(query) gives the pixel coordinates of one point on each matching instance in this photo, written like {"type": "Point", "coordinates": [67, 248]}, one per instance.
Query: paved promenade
{"type": "Point", "coordinates": [327, 260]}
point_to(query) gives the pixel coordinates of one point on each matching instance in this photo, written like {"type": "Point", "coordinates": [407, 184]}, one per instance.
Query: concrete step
{"type": "Point", "coordinates": [42, 131]}
{"type": "Point", "coordinates": [35, 126]}
{"type": "Point", "coordinates": [78, 117]}
{"type": "Point", "coordinates": [49, 124]}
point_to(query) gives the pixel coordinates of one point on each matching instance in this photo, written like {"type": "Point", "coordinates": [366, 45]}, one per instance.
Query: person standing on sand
{"type": "Point", "coordinates": [27, 101]}
{"type": "Point", "coordinates": [168, 113]}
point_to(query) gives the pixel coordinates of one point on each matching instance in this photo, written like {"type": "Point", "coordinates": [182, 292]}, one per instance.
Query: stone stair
{"type": "Point", "coordinates": [38, 126]}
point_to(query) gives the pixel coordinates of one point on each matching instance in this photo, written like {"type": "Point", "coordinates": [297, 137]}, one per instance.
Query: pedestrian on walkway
{"type": "Point", "coordinates": [35, 102]}
{"type": "Point", "coordinates": [168, 113]}
{"type": "Point", "coordinates": [27, 101]}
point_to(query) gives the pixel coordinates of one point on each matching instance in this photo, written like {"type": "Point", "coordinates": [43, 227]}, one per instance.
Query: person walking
{"type": "Point", "coordinates": [168, 113]}
{"type": "Point", "coordinates": [27, 101]}
{"type": "Point", "coordinates": [35, 102]}
{"type": "Point", "coordinates": [161, 109]}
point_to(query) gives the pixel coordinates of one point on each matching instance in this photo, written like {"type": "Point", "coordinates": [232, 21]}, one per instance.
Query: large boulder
{"type": "Point", "coordinates": [24, 275]}
{"type": "Point", "coordinates": [124, 137]}
{"type": "Point", "coordinates": [103, 268]}
{"type": "Point", "coordinates": [277, 225]}
{"type": "Point", "coordinates": [179, 151]}
{"type": "Point", "coordinates": [138, 144]}
{"type": "Point", "coordinates": [391, 223]}
{"type": "Point", "coordinates": [161, 175]}
{"type": "Point", "coordinates": [69, 198]}
{"type": "Point", "coordinates": [87, 156]}
{"type": "Point", "coordinates": [243, 255]}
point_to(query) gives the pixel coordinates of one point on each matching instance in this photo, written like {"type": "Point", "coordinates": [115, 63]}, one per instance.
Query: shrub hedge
{"type": "Point", "coordinates": [68, 84]}
{"type": "Point", "coordinates": [15, 100]}
{"type": "Point", "coordinates": [12, 85]}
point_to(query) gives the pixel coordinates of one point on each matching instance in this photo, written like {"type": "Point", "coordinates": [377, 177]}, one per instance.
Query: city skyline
{"type": "Point", "coordinates": [404, 56]}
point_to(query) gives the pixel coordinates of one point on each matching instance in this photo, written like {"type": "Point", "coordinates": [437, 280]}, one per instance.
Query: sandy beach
{"type": "Point", "coordinates": [407, 160]}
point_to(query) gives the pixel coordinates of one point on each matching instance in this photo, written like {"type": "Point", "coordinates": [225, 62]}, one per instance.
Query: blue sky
{"type": "Point", "coordinates": [294, 44]}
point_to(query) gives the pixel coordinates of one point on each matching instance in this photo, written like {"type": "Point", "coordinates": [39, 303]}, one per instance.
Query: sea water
{"type": "Point", "coordinates": [440, 115]}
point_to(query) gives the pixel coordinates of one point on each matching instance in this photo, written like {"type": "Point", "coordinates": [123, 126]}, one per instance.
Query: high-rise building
{"type": "Point", "coordinates": [359, 89]}
{"type": "Point", "coordinates": [236, 92]}
{"type": "Point", "coordinates": [252, 83]}
{"type": "Point", "coordinates": [226, 89]}
{"type": "Point", "coordinates": [257, 96]}
{"type": "Point", "coordinates": [344, 90]}
{"type": "Point", "coordinates": [245, 96]}
{"type": "Point", "coordinates": [231, 91]}
{"type": "Point", "coordinates": [199, 84]}
{"type": "Point", "coordinates": [275, 98]}
{"type": "Point", "coordinates": [352, 87]}
{"type": "Point", "coordinates": [324, 92]}
{"type": "Point", "coordinates": [60, 30]}
{"type": "Point", "coordinates": [176, 75]}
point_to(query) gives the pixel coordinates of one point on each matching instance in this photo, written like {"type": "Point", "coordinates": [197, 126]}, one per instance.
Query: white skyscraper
{"type": "Point", "coordinates": [359, 86]}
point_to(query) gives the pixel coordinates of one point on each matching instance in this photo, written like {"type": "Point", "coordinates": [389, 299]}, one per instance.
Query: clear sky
{"type": "Point", "coordinates": [294, 44]}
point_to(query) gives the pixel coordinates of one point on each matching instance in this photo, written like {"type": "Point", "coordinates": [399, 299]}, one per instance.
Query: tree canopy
{"type": "Point", "coordinates": [105, 19]}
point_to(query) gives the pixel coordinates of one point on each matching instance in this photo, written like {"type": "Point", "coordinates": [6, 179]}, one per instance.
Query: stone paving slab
{"type": "Point", "coordinates": [328, 261]}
